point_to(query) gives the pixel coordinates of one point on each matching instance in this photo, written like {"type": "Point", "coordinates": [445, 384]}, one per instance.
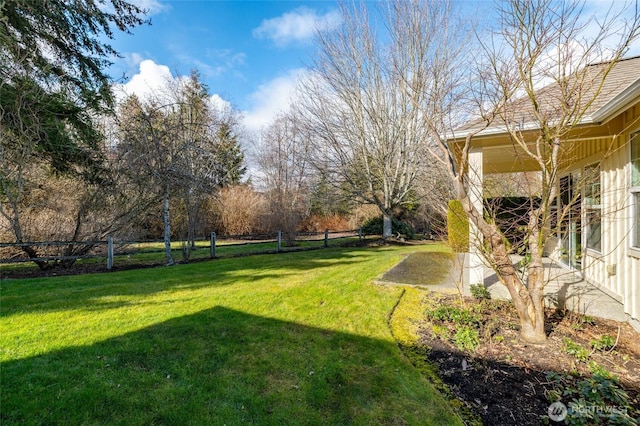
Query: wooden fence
{"type": "Point", "coordinates": [214, 246]}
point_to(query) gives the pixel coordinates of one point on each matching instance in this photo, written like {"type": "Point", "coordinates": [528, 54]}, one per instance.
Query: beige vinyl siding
{"type": "Point", "coordinates": [631, 285]}
{"type": "Point", "coordinates": [584, 149]}
{"type": "Point", "coordinates": [623, 277]}
{"type": "Point", "coordinates": [616, 269]}
{"type": "Point", "coordinates": [614, 227]}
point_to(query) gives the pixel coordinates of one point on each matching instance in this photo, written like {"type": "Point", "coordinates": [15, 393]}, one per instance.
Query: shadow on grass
{"type": "Point", "coordinates": [221, 366]}
{"type": "Point", "coordinates": [82, 291]}
{"type": "Point", "coordinates": [424, 268]}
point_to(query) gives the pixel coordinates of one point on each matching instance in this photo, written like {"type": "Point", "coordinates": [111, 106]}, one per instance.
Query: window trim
{"type": "Point", "coordinates": [590, 209]}
{"type": "Point", "coordinates": [634, 192]}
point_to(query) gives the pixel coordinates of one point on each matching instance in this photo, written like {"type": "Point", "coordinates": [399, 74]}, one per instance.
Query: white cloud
{"type": "Point", "coordinates": [270, 99]}
{"type": "Point", "coordinates": [153, 7]}
{"type": "Point", "coordinates": [133, 59]}
{"type": "Point", "coordinates": [266, 102]}
{"type": "Point", "coordinates": [150, 78]}
{"type": "Point", "coordinates": [224, 61]}
{"type": "Point", "coordinates": [153, 79]}
{"type": "Point", "coordinates": [220, 104]}
{"type": "Point", "coordinates": [297, 25]}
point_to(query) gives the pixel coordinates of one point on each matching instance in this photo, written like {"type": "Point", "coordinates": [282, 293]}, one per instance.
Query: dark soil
{"type": "Point", "coordinates": [504, 381]}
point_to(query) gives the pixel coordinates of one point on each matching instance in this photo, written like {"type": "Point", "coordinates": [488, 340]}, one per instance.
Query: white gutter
{"type": "Point", "coordinates": [615, 105]}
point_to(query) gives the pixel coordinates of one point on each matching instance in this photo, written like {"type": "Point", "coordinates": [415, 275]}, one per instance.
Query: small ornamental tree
{"type": "Point", "coordinates": [535, 82]}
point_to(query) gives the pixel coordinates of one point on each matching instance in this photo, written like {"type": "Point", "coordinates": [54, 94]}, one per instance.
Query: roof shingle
{"type": "Point", "coordinates": [620, 87]}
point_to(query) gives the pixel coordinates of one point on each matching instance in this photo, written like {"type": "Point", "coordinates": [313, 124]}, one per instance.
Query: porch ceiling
{"type": "Point", "coordinates": [502, 155]}
{"type": "Point", "coordinates": [506, 159]}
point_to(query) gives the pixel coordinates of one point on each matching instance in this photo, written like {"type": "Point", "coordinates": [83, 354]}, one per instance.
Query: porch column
{"type": "Point", "coordinates": [475, 266]}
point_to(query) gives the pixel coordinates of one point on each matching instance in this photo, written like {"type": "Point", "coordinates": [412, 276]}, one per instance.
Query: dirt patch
{"type": "Point", "coordinates": [507, 382]}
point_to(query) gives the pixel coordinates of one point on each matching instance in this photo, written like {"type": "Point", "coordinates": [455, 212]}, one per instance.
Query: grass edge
{"type": "Point", "coordinates": [402, 322]}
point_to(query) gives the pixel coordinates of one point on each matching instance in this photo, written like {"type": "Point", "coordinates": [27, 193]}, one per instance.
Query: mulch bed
{"type": "Point", "coordinates": [504, 381]}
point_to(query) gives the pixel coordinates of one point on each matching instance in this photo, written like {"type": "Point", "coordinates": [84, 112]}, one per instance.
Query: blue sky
{"type": "Point", "coordinates": [250, 53]}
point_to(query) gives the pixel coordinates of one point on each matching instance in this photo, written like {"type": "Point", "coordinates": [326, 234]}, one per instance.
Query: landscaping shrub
{"type": "Point", "coordinates": [457, 227]}
{"type": "Point", "coordinates": [373, 226]}
{"type": "Point", "coordinates": [480, 292]}
{"type": "Point", "coordinates": [454, 314]}
{"type": "Point", "coordinates": [511, 215]}
{"type": "Point", "coordinates": [318, 223]}
{"type": "Point", "coordinates": [240, 210]}
{"type": "Point", "coordinates": [598, 399]}
{"type": "Point", "coordinates": [467, 338]}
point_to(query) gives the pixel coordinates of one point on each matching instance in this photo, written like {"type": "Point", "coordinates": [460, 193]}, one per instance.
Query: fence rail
{"type": "Point", "coordinates": [113, 251]}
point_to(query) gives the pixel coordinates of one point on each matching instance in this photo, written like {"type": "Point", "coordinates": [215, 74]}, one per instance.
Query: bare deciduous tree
{"type": "Point", "coordinates": [210, 157]}
{"type": "Point", "coordinates": [147, 148]}
{"type": "Point", "coordinates": [547, 43]}
{"type": "Point", "coordinates": [177, 144]}
{"type": "Point", "coordinates": [366, 131]}
{"type": "Point", "coordinates": [282, 157]}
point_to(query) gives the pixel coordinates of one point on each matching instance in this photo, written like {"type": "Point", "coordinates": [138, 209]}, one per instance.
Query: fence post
{"type": "Point", "coordinates": [213, 245]}
{"type": "Point", "coordinates": [109, 253]}
{"type": "Point", "coordinates": [279, 240]}
{"type": "Point", "coordinates": [360, 233]}
{"type": "Point", "coordinates": [326, 238]}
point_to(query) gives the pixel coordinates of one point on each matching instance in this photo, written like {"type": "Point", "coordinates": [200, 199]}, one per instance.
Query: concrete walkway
{"type": "Point", "coordinates": [565, 290]}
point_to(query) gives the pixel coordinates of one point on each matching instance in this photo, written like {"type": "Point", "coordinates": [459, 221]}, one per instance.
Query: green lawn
{"type": "Point", "coordinates": [141, 254]}
{"type": "Point", "coordinates": [298, 338]}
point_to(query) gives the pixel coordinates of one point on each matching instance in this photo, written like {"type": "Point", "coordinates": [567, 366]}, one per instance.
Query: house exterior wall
{"type": "Point", "coordinates": [616, 269]}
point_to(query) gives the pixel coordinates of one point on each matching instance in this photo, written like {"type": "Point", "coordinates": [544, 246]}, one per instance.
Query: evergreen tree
{"type": "Point", "coordinates": [53, 84]}
{"type": "Point", "coordinates": [53, 64]}
{"type": "Point", "coordinates": [228, 156]}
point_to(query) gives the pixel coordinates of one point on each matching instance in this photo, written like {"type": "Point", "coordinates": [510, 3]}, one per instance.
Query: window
{"type": "Point", "coordinates": [593, 208]}
{"type": "Point", "coordinates": [571, 230]}
{"type": "Point", "coordinates": [635, 188]}
{"type": "Point", "coordinates": [636, 224]}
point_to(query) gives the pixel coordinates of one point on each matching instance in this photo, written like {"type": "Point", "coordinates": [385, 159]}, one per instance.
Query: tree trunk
{"type": "Point", "coordinates": [167, 228]}
{"type": "Point", "coordinates": [190, 243]}
{"type": "Point", "coordinates": [535, 284]}
{"type": "Point", "coordinates": [528, 300]}
{"type": "Point", "coordinates": [386, 226]}
{"type": "Point", "coordinates": [530, 308]}
{"type": "Point", "coordinates": [14, 220]}
{"type": "Point", "coordinates": [31, 252]}
{"type": "Point", "coordinates": [192, 207]}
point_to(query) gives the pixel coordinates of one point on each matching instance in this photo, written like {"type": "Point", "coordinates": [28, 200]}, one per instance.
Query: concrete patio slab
{"type": "Point", "coordinates": [565, 289]}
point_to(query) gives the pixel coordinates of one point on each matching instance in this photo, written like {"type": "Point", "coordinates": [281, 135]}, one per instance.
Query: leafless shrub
{"type": "Point", "coordinates": [240, 210]}
{"type": "Point", "coordinates": [332, 222]}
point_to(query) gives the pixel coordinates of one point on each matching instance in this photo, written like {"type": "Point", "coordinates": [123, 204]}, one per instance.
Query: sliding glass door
{"type": "Point", "coordinates": [571, 224]}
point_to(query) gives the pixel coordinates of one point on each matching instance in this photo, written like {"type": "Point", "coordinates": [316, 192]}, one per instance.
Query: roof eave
{"type": "Point", "coordinates": [605, 113]}
{"type": "Point", "coordinates": [616, 105]}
